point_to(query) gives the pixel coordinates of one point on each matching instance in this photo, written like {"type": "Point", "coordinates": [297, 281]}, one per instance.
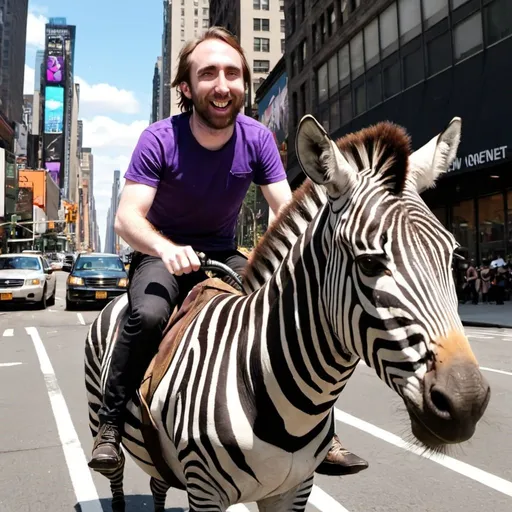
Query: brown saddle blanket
{"type": "Point", "coordinates": [173, 335]}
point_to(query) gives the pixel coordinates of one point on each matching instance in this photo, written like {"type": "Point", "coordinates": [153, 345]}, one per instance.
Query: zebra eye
{"type": "Point", "coordinates": [371, 265]}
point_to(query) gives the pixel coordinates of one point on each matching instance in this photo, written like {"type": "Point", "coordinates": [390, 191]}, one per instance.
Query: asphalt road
{"type": "Point", "coordinates": [45, 441]}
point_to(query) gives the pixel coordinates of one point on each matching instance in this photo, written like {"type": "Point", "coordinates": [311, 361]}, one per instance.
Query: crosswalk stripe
{"type": "Point", "coordinates": [9, 332]}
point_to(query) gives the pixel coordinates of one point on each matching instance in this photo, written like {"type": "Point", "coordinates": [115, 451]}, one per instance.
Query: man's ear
{"type": "Point", "coordinates": [185, 89]}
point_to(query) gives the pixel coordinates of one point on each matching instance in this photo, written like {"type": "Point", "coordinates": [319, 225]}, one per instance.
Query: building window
{"type": "Point", "coordinates": [498, 21]}
{"type": "Point", "coordinates": [206, 23]}
{"type": "Point", "coordinates": [256, 85]}
{"type": "Point", "coordinates": [331, 18]}
{"type": "Point", "coordinates": [458, 3]}
{"type": "Point", "coordinates": [409, 15]}
{"type": "Point", "coordinates": [196, 12]}
{"type": "Point", "coordinates": [183, 12]}
{"type": "Point", "coordinates": [356, 55]}
{"type": "Point", "coordinates": [360, 99]}
{"type": "Point", "coordinates": [315, 36]}
{"type": "Point", "coordinates": [371, 43]}
{"type": "Point", "coordinates": [283, 46]}
{"type": "Point", "coordinates": [434, 11]}
{"type": "Point", "coordinates": [373, 90]}
{"type": "Point", "coordinates": [344, 66]}
{"type": "Point", "coordinates": [389, 31]}
{"type": "Point", "coordinates": [303, 99]}
{"type": "Point", "coordinates": [346, 107]}
{"type": "Point", "coordinates": [205, 11]}
{"type": "Point", "coordinates": [439, 54]}
{"type": "Point", "coordinates": [413, 67]}
{"type": "Point", "coordinates": [265, 5]}
{"type": "Point", "coordinates": [182, 33]}
{"type": "Point", "coordinates": [467, 37]}
{"type": "Point", "coordinates": [304, 49]}
{"type": "Point", "coordinates": [334, 115]}
{"type": "Point", "coordinates": [196, 23]}
{"type": "Point", "coordinates": [324, 120]}
{"type": "Point", "coordinates": [391, 79]}
{"type": "Point", "coordinates": [322, 83]}
{"type": "Point", "coordinates": [491, 220]}
{"type": "Point", "coordinates": [283, 29]}
{"type": "Point", "coordinates": [332, 66]}
{"type": "Point", "coordinates": [256, 24]}
{"type": "Point", "coordinates": [281, 5]}
{"type": "Point", "coordinates": [463, 225]}
{"type": "Point", "coordinates": [261, 66]}
{"type": "Point", "coordinates": [265, 25]}
{"type": "Point", "coordinates": [261, 44]}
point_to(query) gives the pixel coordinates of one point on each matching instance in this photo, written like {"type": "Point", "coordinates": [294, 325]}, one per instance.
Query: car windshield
{"type": "Point", "coordinates": [99, 263]}
{"type": "Point", "coordinates": [19, 263]}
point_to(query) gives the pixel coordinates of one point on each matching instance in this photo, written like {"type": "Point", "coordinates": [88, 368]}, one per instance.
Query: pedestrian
{"type": "Point", "coordinates": [471, 279]}
{"type": "Point", "coordinates": [184, 188]}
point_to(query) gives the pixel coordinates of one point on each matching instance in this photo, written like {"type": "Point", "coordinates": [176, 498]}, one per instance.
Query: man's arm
{"type": "Point", "coordinates": [133, 227]}
{"type": "Point", "coordinates": [277, 195]}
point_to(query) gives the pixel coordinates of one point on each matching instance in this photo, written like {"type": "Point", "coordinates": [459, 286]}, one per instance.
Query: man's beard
{"type": "Point", "coordinates": [217, 122]}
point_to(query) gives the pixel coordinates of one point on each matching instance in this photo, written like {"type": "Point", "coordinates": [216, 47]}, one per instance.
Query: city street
{"type": "Point", "coordinates": [45, 439]}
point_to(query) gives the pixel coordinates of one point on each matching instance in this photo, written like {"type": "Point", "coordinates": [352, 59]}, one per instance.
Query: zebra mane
{"type": "Point", "coordinates": [275, 244]}
{"type": "Point", "coordinates": [384, 149]}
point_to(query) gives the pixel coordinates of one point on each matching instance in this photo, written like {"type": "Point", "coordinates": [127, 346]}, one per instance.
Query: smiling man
{"type": "Point", "coordinates": [184, 189]}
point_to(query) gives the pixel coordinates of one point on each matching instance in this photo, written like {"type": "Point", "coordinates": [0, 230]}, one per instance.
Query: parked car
{"type": "Point", "coordinates": [27, 278]}
{"type": "Point", "coordinates": [95, 277]}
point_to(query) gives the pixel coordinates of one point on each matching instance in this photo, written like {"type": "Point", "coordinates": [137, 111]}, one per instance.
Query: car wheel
{"type": "Point", "coordinates": [43, 302]}
{"type": "Point", "coordinates": [51, 300]}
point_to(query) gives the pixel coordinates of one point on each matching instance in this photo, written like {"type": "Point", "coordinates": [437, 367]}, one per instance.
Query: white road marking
{"type": "Point", "coordinates": [237, 508]}
{"type": "Point", "coordinates": [487, 479]}
{"type": "Point", "coordinates": [479, 337]}
{"type": "Point", "coordinates": [83, 485]}
{"type": "Point", "coordinates": [324, 502]}
{"type": "Point", "coordinates": [3, 365]}
{"type": "Point", "coordinates": [9, 332]}
{"type": "Point", "coordinates": [80, 318]}
{"type": "Point", "coordinates": [503, 372]}
{"type": "Point", "coordinates": [487, 333]}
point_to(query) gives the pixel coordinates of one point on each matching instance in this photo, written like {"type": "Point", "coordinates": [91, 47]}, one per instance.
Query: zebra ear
{"type": "Point", "coordinates": [434, 158]}
{"type": "Point", "coordinates": [320, 158]}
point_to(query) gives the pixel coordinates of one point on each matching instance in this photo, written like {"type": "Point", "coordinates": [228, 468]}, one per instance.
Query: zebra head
{"type": "Point", "coordinates": [388, 288]}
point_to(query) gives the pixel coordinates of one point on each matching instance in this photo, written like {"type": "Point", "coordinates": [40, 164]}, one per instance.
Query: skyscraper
{"type": "Point", "coordinates": [261, 32]}
{"type": "Point", "coordinates": [13, 31]}
{"type": "Point", "coordinates": [38, 70]}
{"type": "Point", "coordinates": [183, 20]}
{"type": "Point", "coordinates": [111, 238]}
{"type": "Point", "coordinates": [156, 113]}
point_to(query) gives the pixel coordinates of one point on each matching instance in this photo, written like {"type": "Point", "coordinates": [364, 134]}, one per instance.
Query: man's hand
{"type": "Point", "coordinates": [179, 259]}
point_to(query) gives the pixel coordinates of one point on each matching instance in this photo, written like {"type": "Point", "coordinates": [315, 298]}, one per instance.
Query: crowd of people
{"type": "Point", "coordinates": [490, 282]}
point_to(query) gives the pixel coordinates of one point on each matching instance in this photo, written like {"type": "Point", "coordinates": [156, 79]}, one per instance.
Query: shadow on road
{"type": "Point", "coordinates": [134, 503]}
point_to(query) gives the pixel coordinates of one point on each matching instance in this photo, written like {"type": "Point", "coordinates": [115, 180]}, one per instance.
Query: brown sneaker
{"type": "Point", "coordinates": [339, 461]}
{"type": "Point", "coordinates": [105, 452]}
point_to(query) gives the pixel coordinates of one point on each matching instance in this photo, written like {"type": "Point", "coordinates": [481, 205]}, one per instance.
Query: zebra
{"type": "Point", "coordinates": [355, 268]}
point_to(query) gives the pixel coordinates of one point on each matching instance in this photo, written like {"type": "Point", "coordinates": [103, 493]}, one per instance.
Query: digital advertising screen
{"type": "Point", "coordinates": [53, 147]}
{"type": "Point", "coordinates": [54, 69]}
{"type": "Point", "coordinates": [54, 109]}
{"type": "Point", "coordinates": [53, 169]}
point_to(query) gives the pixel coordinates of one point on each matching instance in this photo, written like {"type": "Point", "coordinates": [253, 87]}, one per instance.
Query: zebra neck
{"type": "Point", "coordinates": [302, 367]}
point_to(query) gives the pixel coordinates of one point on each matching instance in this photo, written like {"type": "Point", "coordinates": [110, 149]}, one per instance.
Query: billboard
{"type": "Point", "coordinates": [54, 69]}
{"type": "Point", "coordinates": [273, 113]}
{"type": "Point", "coordinates": [53, 146]}
{"type": "Point", "coordinates": [53, 169]}
{"type": "Point", "coordinates": [54, 109]}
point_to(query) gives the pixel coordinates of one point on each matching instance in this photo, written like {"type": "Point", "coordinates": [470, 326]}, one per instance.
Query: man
{"type": "Point", "coordinates": [184, 188]}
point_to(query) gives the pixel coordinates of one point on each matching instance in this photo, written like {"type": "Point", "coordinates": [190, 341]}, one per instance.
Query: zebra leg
{"type": "Point", "coordinates": [116, 485]}
{"type": "Point", "coordinates": [295, 500]}
{"type": "Point", "coordinates": [159, 490]}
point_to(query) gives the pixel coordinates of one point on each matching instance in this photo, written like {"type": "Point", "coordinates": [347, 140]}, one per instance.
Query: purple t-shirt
{"type": "Point", "coordinates": [200, 192]}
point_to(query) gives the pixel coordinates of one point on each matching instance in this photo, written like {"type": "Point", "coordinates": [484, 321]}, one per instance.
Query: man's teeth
{"type": "Point", "coordinates": [220, 104]}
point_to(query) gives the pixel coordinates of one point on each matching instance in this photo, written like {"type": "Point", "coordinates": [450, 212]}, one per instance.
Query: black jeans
{"type": "Point", "coordinates": [153, 294]}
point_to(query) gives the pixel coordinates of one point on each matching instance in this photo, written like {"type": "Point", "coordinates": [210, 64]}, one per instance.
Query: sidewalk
{"type": "Point", "coordinates": [486, 315]}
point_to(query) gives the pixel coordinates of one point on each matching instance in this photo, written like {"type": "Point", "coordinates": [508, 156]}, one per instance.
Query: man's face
{"type": "Point", "coordinates": [216, 83]}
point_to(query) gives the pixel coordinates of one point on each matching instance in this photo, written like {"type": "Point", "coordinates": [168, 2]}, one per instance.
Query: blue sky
{"type": "Point", "coordinates": [117, 43]}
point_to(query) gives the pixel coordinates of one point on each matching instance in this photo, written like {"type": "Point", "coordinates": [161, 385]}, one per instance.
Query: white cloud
{"type": "Point", "coordinates": [28, 84]}
{"type": "Point", "coordinates": [101, 98]}
{"type": "Point", "coordinates": [36, 29]}
{"type": "Point", "coordinates": [112, 145]}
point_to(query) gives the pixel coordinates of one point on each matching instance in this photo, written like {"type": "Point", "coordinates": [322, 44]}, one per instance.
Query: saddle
{"type": "Point", "coordinates": [198, 297]}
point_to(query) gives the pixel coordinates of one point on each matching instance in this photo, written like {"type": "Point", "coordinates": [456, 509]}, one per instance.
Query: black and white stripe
{"type": "Point", "coordinates": [245, 410]}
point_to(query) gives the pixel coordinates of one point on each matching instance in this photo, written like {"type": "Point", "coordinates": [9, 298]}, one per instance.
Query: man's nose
{"type": "Point", "coordinates": [222, 84]}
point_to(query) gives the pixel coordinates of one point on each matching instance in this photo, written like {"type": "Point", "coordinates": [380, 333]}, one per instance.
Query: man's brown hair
{"type": "Point", "coordinates": [184, 64]}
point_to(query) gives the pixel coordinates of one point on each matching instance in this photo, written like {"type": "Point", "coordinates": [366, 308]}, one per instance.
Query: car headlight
{"type": "Point", "coordinates": [123, 282]}
{"type": "Point", "coordinates": [77, 281]}
{"type": "Point", "coordinates": [30, 282]}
